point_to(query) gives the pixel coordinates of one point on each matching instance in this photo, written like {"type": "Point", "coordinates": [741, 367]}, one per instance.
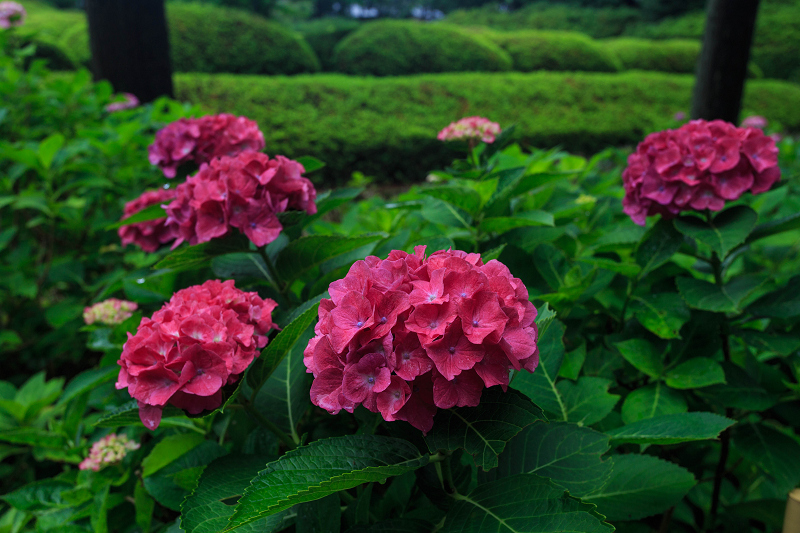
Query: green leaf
{"type": "Point", "coordinates": [168, 450]}
{"type": "Point", "coordinates": [40, 495]}
{"type": "Point", "coordinates": [325, 515]}
{"type": "Point", "coordinates": [324, 467]}
{"type": "Point", "coordinates": [775, 453]}
{"type": "Point", "coordinates": [241, 265]}
{"type": "Point", "coordinates": [764, 341]}
{"type": "Point", "coordinates": [508, 179]}
{"type": "Point", "coordinates": [88, 381]}
{"type": "Point", "coordinates": [641, 486]}
{"type": "Point", "coordinates": [522, 503]}
{"type": "Point", "coordinates": [128, 415]}
{"type": "Point", "coordinates": [703, 295]}
{"type": "Point", "coordinates": [643, 355]}
{"type": "Point", "coordinates": [99, 514]}
{"type": "Point", "coordinates": [305, 253]}
{"type": "Point", "coordinates": [173, 483]}
{"type": "Point", "coordinates": [461, 197]}
{"type": "Point", "coordinates": [33, 437]}
{"type": "Point", "coordinates": [658, 246]}
{"type": "Point", "coordinates": [200, 255]}
{"type": "Point", "coordinates": [540, 386]}
{"type": "Point", "coordinates": [209, 507]}
{"type": "Point", "coordinates": [145, 505]}
{"type": "Point", "coordinates": [774, 227]}
{"type": "Point", "coordinates": [783, 303]}
{"type": "Point", "coordinates": [310, 163]}
{"type": "Point", "coordinates": [626, 269]}
{"type": "Point", "coordinates": [573, 362]}
{"type": "Point", "coordinates": [153, 212]}
{"type": "Point", "coordinates": [501, 225]}
{"type": "Point", "coordinates": [672, 429]}
{"type": "Point", "coordinates": [48, 149]}
{"type": "Point", "coordinates": [695, 373]}
{"type": "Point", "coordinates": [728, 228]}
{"type": "Point", "coordinates": [483, 431]}
{"type": "Point", "coordinates": [567, 454]}
{"type": "Point", "coordinates": [587, 401]}
{"type": "Point", "coordinates": [445, 213]}
{"type": "Point", "coordinates": [494, 253]}
{"type": "Point", "coordinates": [741, 391]}
{"type": "Point", "coordinates": [653, 400]}
{"type": "Point", "coordinates": [663, 314]}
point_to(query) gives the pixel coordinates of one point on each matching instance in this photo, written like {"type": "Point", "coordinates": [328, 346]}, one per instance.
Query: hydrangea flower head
{"type": "Point", "coordinates": [109, 312]}
{"type": "Point", "coordinates": [244, 192]}
{"type": "Point", "coordinates": [199, 341]}
{"type": "Point", "coordinates": [150, 235]}
{"type": "Point", "coordinates": [109, 450]}
{"type": "Point", "coordinates": [470, 128]}
{"type": "Point", "coordinates": [409, 334]}
{"type": "Point", "coordinates": [202, 139]}
{"type": "Point", "coordinates": [755, 121]}
{"type": "Point", "coordinates": [698, 166]}
{"type": "Point", "coordinates": [130, 102]}
{"type": "Point", "coordinates": [11, 14]}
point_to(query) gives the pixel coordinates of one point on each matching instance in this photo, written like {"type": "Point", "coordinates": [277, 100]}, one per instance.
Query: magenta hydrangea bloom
{"type": "Point", "coordinates": [407, 335]}
{"type": "Point", "coordinates": [199, 341]}
{"type": "Point", "coordinates": [110, 312]}
{"type": "Point", "coordinates": [11, 14]}
{"type": "Point", "coordinates": [244, 192]}
{"type": "Point", "coordinates": [150, 235]}
{"type": "Point", "coordinates": [478, 128]}
{"type": "Point", "coordinates": [201, 139]}
{"type": "Point", "coordinates": [700, 165]}
{"type": "Point", "coordinates": [108, 450]}
{"type": "Point", "coordinates": [130, 102]}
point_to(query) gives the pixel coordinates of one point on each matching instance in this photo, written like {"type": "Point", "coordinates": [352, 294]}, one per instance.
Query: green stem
{"type": "Point", "coordinates": [268, 424]}
{"type": "Point", "coordinates": [631, 287]}
{"type": "Point", "coordinates": [447, 477]}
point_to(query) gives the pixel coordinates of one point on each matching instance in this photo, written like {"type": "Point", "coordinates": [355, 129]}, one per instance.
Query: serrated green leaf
{"type": "Point", "coordinates": [152, 212]}
{"type": "Point", "coordinates": [48, 149]}
{"type": "Point", "coordinates": [700, 294]}
{"type": "Point", "coordinates": [40, 495]}
{"type": "Point", "coordinates": [658, 246]}
{"type": "Point", "coordinates": [322, 468]}
{"type": "Point", "coordinates": [695, 373]}
{"type": "Point", "coordinates": [173, 483]}
{"type": "Point", "coordinates": [305, 253]}
{"type": "Point", "coordinates": [783, 303]}
{"type": "Point", "coordinates": [127, 414]}
{"type": "Point", "coordinates": [522, 503]}
{"type": "Point", "coordinates": [461, 197]}
{"type": "Point", "coordinates": [775, 453]}
{"type": "Point", "coordinates": [764, 341]}
{"type": "Point", "coordinates": [483, 431]}
{"type": "Point", "coordinates": [573, 362]}
{"type": "Point", "coordinates": [663, 314]}
{"type": "Point", "coordinates": [587, 401]}
{"type": "Point", "coordinates": [33, 437]}
{"type": "Point", "coordinates": [540, 386]}
{"type": "Point", "coordinates": [567, 454]}
{"type": "Point", "coordinates": [501, 225]}
{"type": "Point", "coordinates": [200, 255]}
{"type": "Point", "coordinates": [641, 486]}
{"type": "Point", "coordinates": [643, 355]}
{"type": "Point", "coordinates": [168, 450]}
{"type": "Point", "coordinates": [241, 265]}
{"type": "Point", "coordinates": [672, 429]}
{"type": "Point", "coordinates": [653, 400]}
{"type": "Point", "coordinates": [727, 229]}
{"type": "Point", "coordinates": [445, 213]}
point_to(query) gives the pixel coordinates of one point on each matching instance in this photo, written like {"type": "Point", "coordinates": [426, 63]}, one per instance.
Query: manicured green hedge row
{"type": "Point", "coordinates": [324, 34]}
{"type": "Point", "coordinates": [386, 127]}
{"type": "Point", "coordinates": [556, 50]}
{"type": "Point", "coordinates": [673, 55]}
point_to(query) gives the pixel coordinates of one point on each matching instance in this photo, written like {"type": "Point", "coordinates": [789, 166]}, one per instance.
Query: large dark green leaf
{"type": "Point", "coordinates": [483, 431]}
{"type": "Point", "coordinates": [200, 255]}
{"type": "Point", "coordinates": [128, 415]}
{"type": "Point", "coordinates": [33, 437]}
{"type": "Point", "coordinates": [445, 213]}
{"type": "Point", "coordinates": [541, 385]}
{"type": "Point", "coordinates": [172, 483]}
{"type": "Point", "coordinates": [727, 229]}
{"type": "Point", "coordinates": [87, 381]}
{"type": "Point", "coordinates": [700, 294]}
{"type": "Point", "coordinates": [520, 220]}
{"type": "Point", "coordinates": [672, 429]}
{"type": "Point", "coordinates": [461, 197]}
{"type": "Point", "coordinates": [695, 373]}
{"type": "Point", "coordinates": [305, 253]}
{"type": "Point", "coordinates": [641, 486]}
{"type": "Point", "coordinates": [740, 391]}
{"type": "Point", "coordinates": [653, 400]}
{"type": "Point", "coordinates": [658, 246]}
{"type": "Point", "coordinates": [643, 355]}
{"type": "Point", "coordinates": [663, 314]}
{"type": "Point", "coordinates": [241, 265]}
{"type": "Point", "coordinates": [783, 303]}
{"type": "Point", "coordinates": [41, 495]}
{"type": "Point", "coordinates": [773, 227]}
{"type": "Point", "coordinates": [567, 454]}
{"type": "Point", "coordinates": [775, 453]}
{"type": "Point", "coordinates": [522, 503]}
{"type": "Point", "coordinates": [168, 450]}
{"type": "Point", "coordinates": [587, 401]}
{"type": "Point", "coordinates": [322, 468]}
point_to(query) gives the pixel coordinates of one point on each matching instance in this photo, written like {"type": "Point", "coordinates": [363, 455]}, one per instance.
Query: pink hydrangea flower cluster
{"type": "Point", "coordinates": [697, 166]}
{"type": "Point", "coordinates": [110, 312]}
{"type": "Point", "coordinates": [244, 192]}
{"type": "Point", "coordinates": [755, 121]}
{"type": "Point", "coordinates": [130, 102]}
{"type": "Point", "coordinates": [109, 450]}
{"type": "Point", "coordinates": [202, 139]}
{"type": "Point", "coordinates": [470, 128]}
{"type": "Point", "coordinates": [151, 234]}
{"type": "Point", "coordinates": [199, 341]}
{"type": "Point", "coordinates": [407, 335]}
{"type": "Point", "coordinates": [11, 14]}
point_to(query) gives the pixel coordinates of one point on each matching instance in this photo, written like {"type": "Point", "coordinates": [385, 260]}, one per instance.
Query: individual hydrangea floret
{"type": "Point", "coordinates": [110, 312]}
{"type": "Point", "coordinates": [11, 14]}
{"type": "Point", "coordinates": [199, 341]}
{"type": "Point", "coordinates": [407, 335]}
{"type": "Point", "coordinates": [470, 128]}
{"type": "Point", "coordinates": [149, 235]}
{"type": "Point", "coordinates": [201, 139]}
{"type": "Point", "coordinates": [244, 192]}
{"type": "Point", "coordinates": [109, 450]}
{"type": "Point", "coordinates": [698, 166]}
{"type": "Point", "coordinates": [130, 102]}
{"type": "Point", "coordinates": [755, 121]}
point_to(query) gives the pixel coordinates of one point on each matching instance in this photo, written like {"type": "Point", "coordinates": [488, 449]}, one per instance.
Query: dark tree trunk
{"type": "Point", "coordinates": [130, 46]}
{"type": "Point", "coordinates": [722, 67]}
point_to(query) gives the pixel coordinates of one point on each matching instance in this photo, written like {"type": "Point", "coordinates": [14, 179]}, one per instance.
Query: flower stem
{"type": "Point", "coordinates": [447, 476]}
{"type": "Point", "coordinates": [268, 424]}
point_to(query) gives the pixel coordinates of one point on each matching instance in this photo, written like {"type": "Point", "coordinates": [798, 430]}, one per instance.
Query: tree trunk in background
{"type": "Point", "coordinates": [130, 46]}
{"type": "Point", "coordinates": [722, 67]}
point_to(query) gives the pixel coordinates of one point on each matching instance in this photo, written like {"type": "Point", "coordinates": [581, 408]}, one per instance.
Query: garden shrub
{"type": "Point", "coordinates": [672, 55]}
{"type": "Point", "coordinates": [324, 34]}
{"type": "Point", "coordinates": [386, 127]}
{"type": "Point", "coordinates": [395, 48]}
{"type": "Point", "coordinates": [555, 50]}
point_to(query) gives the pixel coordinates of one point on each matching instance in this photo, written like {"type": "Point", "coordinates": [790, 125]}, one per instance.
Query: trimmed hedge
{"type": "Point", "coordinates": [556, 50]}
{"type": "Point", "coordinates": [395, 48]}
{"type": "Point", "coordinates": [674, 55]}
{"type": "Point", "coordinates": [324, 34]}
{"type": "Point", "coordinates": [387, 127]}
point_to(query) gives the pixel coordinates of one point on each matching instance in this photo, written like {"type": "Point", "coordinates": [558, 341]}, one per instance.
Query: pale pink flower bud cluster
{"type": "Point", "coordinates": [755, 121]}
{"type": "Point", "coordinates": [109, 450]}
{"type": "Point", "coordinates": [11, 14]}
{"type": "Point", "coordinates": [130, 101]}
{"type": "Point", "coordinates": [110, 312]}
{"type": "Point", "coordinates": [470, 128]}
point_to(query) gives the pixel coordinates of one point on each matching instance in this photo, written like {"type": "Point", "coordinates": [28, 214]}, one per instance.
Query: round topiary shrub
{"type": "Point", "coordinates": [324, 34]}
{"type": "Point", "coordinates": [206, 38]}
{"type": "Point", "coordinates": [395, 48]}
{"type": "Point", "coordinates": [556, 50]}
{"type": "Point", "coordinates": [673, 55]}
